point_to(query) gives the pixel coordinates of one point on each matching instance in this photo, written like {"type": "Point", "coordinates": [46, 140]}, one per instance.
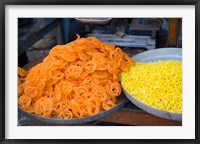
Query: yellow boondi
{"type": "Point", "coordinates": [157, 84]}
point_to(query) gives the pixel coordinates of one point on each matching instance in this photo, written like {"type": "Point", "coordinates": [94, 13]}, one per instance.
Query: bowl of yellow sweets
{"type": "Point", "coordinates": [154, 82]}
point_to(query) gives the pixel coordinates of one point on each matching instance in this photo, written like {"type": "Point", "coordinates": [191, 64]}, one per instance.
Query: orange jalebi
{"type": "Point", "coordinates": [75, 80]}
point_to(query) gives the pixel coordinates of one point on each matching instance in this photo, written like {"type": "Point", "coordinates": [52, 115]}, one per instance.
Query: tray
{"type": "Point", "coordinates": [155, 55]}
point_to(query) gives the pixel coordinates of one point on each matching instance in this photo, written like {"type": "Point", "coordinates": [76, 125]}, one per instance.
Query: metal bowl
{"type": "Point", "coordinates": [122, 101]}
{"type": "Point", "coordinates": [156, 55]}
{"type": "Point", "coordinates": [98, 21]}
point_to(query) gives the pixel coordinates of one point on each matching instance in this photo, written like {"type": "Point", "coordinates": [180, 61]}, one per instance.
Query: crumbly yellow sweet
{"type": "Point", "coordinates": [157, 84]}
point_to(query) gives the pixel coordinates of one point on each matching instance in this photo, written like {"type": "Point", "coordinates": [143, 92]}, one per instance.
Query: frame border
{"type": "Point", "coordinates": [100, 2]}
{"type": "Point", "coordinates": [3, 4]}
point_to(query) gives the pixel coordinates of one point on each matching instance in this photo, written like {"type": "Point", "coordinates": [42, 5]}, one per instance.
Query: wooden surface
{"type": "Point", "coordinates": [33, 32]}
{"type": "Point", "coordinates": [138, 117]}
{"type": "Point", "coordinates": [173, 31]}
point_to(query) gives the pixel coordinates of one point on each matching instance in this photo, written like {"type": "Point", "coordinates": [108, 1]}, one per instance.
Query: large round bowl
{"type": "Point", "coordinates": [122, 101]}
{"type": "Point", "coordinates": [156, 55]}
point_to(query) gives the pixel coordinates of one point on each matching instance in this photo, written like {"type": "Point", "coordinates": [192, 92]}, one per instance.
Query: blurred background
{"type": "Point", "coordinates": [36, 36]}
